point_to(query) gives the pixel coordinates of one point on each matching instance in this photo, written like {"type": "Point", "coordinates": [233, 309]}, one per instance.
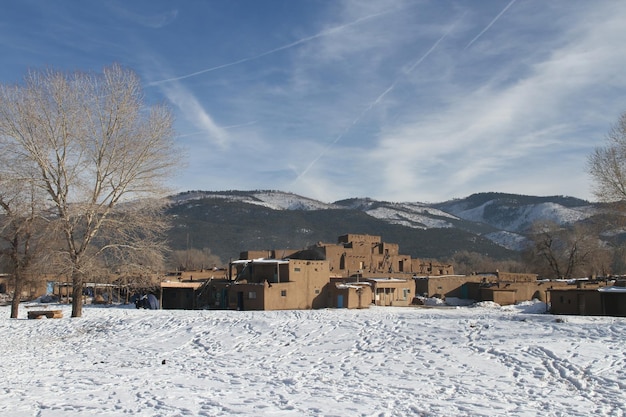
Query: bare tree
{"type": "Point", "coordinates": [471, 262]}
{"type": "Point", "coordinates": [194, 259]}
{"type": "Point", "coordinates": [22, 232]}
{"type": "Point", "coordinates": [94, 145]}
{"type": "Point", "coordinates": [607, 165]}
{"type": "Point", "coordinates": [563, 252]}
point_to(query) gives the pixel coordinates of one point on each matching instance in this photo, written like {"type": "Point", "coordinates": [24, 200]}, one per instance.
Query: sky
{"type": "Point", "coordinates": [397, 100]}
{"type": "Point", "coordinates": [481, 361]}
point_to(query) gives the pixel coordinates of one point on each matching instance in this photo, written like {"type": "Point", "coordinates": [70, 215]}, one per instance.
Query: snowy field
{"type": "Point", "coordinates": [383, 361]}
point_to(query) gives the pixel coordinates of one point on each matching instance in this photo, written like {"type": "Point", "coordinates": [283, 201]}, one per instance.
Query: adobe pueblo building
{"type": "Point", "coordinates": [590, 299]}
{"type": "Point", "coordinates": [355, 272]}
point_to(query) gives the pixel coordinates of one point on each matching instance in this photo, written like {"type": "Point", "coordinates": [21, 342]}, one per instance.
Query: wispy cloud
{"type": "Point", "coordinates": [379, 98]}
{"type": "Point", "coordinates": [503, 134]}
{"type": "Point", "coordinates": [372, 104]}
{"type": "Point", "coordinates": [300, 41]}
{"type": "Point", "coordinates": [149, 20]}
{"type": "Point", "coordinates": [195, 113]}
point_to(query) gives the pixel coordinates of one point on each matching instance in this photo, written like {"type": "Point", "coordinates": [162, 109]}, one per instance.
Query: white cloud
{"type": "Point", "coordinates": [489, 132]}
{"type": "Point", "coordinates": [156, 20]}
{"type": "Point", "coordinates": [191, 109]}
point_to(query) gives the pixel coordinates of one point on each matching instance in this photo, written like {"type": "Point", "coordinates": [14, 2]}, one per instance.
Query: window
{"type": "Point", "coordinates": [317, 291]}
{"type": "Point", "coordinates": [283, 293]}
{"type": "Point", "coordinates": [252, 295]}
{"type": "Point", "coordinates": [296, 269]}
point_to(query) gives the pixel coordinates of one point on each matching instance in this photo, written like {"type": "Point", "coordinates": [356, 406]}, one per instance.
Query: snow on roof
{"type": "Point", "coordinates": [352, 285]}
{"type": "Point", "coordinates": [613, 289]}
{"type": "Point", "coordinates": [261, 261]}
{"type": "Point", "coordinates": [424, 276]}
{"type": "Point", "coordinates": [386, 279]}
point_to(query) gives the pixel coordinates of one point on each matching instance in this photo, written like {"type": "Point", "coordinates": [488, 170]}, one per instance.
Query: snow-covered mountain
{"type": "Point", "coordinates": [502, 219]}
{"type": "Point", "coordinates": [516, 213]}
{"type": "Point", "coordinates": [414, 215]}
{"type": "Point", "coordinates": [275, 200]}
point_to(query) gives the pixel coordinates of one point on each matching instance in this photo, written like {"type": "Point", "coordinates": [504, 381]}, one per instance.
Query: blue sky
{"type": "Point", "coordinates": [399, 100]}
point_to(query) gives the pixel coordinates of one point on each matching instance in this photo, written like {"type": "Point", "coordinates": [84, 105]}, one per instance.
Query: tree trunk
{"type": "Point", "coordinates": [18, 285]}
{"type": "Point", "coordinates": [77, 295]}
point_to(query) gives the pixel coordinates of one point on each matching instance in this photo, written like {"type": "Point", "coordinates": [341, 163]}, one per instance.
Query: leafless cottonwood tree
{"type": "Point", "coordinates": [562, 252]}
{"type": "Point", "coordinates": [194, 259]}
{"type": "Point", "coordinates": [607, 165]}
{"type": "Point", "coordinates": [93, 146]}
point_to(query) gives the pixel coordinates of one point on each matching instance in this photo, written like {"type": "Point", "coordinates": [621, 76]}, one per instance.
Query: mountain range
{"type": "Point", "coordinates": [492, 224]}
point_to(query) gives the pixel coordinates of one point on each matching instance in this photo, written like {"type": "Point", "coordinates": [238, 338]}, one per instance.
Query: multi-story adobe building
{"type": "Point", "coordinates": [358, 254]}
{"type": "Point", "coordinates": [357, 271]}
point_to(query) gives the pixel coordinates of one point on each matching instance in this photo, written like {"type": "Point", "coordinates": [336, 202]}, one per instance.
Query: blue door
{"type": "Point", "coordinates": [340, 301]}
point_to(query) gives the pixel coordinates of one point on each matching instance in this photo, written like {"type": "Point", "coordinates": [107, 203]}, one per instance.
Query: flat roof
{"type": "Point", "coordinates": [176, 284]}
{"type": "Point", "coordinates": [386, 279]}
{"type": "Point", "coordinates": [264, 261]}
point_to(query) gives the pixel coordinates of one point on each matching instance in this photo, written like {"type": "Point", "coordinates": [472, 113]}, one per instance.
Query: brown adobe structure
{"type": "Point", "coordinates": [355, 272]}
{"type": "Point", "coordinates": [358, 254]}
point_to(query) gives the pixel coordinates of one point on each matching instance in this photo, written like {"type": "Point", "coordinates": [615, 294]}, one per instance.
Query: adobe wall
{"type": "Point", "coordinates": [576, 302]}
{"type": "Point", "coordinates": [306, 288]}
{"type": "Point", "coordinates": [247, 296]}
{"type": "Point", "coordinates": [333, 256]}
{"type": "Point", "coordinates": [354, 262]}
{"type": "Point", "coordinates": [422, 267]}
{"type": "Point", "coordinates": [470, 286]}
{"type": "Point", "coordinates": [501, 297]}
{"type": "Point", "coordinates": [516, 277]}
{"type": "Point", "coordinates": [181, 297]}
{"type": "Point", "coordinates": [390, 264]}
{"type": "Point", "coordinates": [527, 291]}
{"type": "Point", "coordinates": [613, 303]}
{"type": "Point", "coordinates": [351, 237]}
{"type": "Point", "coordinates": [385, 248]}
{"type": "Point", "coordinates": [352, 296]}
{"type": "Point", "coordinates": [392, 292]}
{"type": "Point", "coordinates": [355, 253]}
{"type": "Point", "coordinates": [447, 286]}
{"type": "Point", "coordinates": [202, 274]}
{"type": "Point", "coordinates": [256, 254]}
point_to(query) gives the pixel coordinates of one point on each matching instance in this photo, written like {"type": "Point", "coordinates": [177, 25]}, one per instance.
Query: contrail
{"type": "Point", "coordinates": [490, 24]}
{"type": "Point", "coordinates": [272, 51]}
{"type": "Point", "coordinates": [373, 104]}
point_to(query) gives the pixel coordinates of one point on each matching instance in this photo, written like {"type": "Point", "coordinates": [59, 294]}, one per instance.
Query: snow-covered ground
{"type": "Point", "coordinates": [382, 361]}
